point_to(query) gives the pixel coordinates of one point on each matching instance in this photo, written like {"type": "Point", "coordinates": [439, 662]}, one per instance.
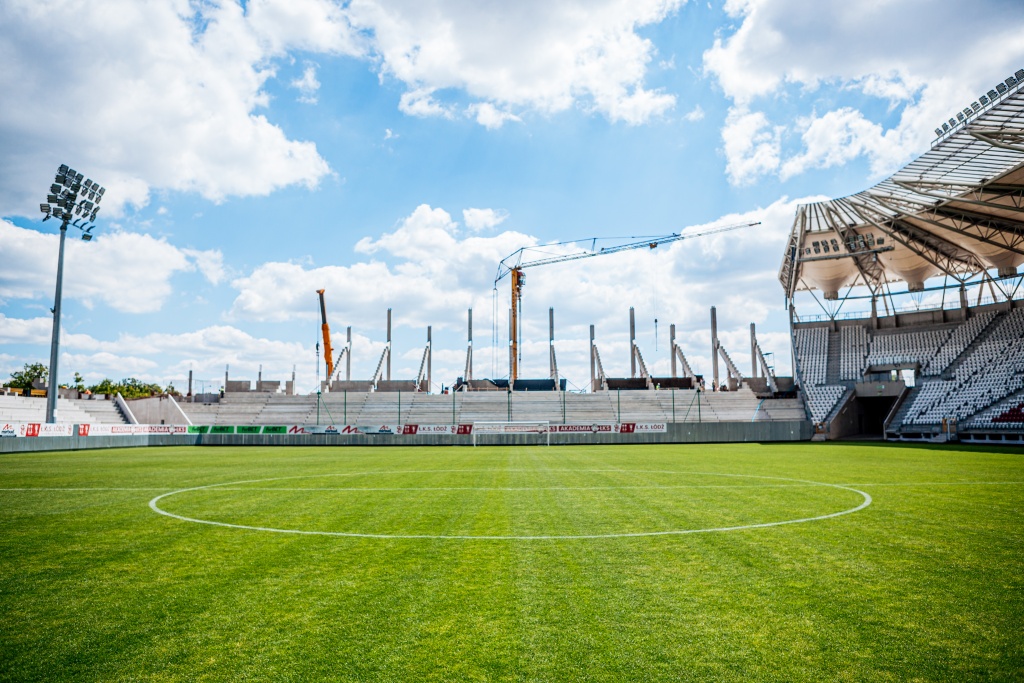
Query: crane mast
{"type": "Point", "coordinates": [518, 280]}
{"type": "Point", "coordinates": [325, 328]}
{"type": "Point", "coordinates": [513, 266]}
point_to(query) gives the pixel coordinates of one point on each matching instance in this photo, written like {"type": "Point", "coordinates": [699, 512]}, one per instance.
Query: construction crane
{"type": "Point", "coordinates": [325, 328]}
{"type": "Point", "coordinates": [513, 265]}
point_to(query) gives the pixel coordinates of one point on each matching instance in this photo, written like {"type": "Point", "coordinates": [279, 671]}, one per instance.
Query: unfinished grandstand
{"type": "Point", "coordinates": [905, 299]}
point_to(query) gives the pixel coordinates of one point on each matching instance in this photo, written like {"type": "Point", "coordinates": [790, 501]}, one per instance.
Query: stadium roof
{"type": "Point", "coordinates": [957, 210]}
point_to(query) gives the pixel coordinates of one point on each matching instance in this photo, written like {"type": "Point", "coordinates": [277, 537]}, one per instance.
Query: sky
{"type": "Point", "coordinates": [393, 153]}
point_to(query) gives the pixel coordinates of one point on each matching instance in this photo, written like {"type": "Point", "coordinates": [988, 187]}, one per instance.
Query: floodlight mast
{"type": "Point", "coordinates": [68, 198]}
{"type": "Point", "coordinates": [513, 265]}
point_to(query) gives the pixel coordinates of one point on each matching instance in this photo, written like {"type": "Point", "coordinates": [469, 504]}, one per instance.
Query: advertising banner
{"type": "Point", "coordinates": [642, 427]}
{"type": "Point", "coordinates": [129, 430]}
{"type": "Point", "coordinates": [323, 429]}
{"type": "Point", "coordinates": [585, 429]}
{"type": "Point", "coordinates": [11, 429]}
{"type": "Point", "coordinates": [380, 429]}
{"type": "Point", "coordinates": [424, 430]}
{"type": "Point", "coordinates": [511, 428]}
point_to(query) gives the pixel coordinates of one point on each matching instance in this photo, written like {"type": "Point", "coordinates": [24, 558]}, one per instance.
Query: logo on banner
{"type": "Point", "coordinates": [8, 430]}
{"type": "Point", "coordinates": [31, 429]}
{"type": "Point", "coordinates": [297, 429]}
{"type": "Point", "coordinates": [465, 430]}
{"type": "Point", "coordinates": [410, 430]}
{"type": "Point", "coordinates": [83, 430]}
{"type": "Point", "coordinates": [582, 429]}
{"type": "Point", "coordinates": [627, 428]}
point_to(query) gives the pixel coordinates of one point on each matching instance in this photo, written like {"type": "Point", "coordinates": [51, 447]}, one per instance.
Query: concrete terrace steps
{"type": "Point", "coordinates": [102, 412]}
{"type": "Point", "coordinates": [370, 408]}
{"type": "Point", "coordinates": [69, 411]}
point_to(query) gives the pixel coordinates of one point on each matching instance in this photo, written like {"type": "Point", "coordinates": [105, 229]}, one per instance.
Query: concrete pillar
{"type": "Point", "coordinates": [753, 351]}
{"type": "Point", "coordinates": [469, 359]}
{"type": "Point", "coordinates": [430, 359]}
{"type": "Point", "coordinates": [389, 346]}
{"type": "Point", "coordinates": [714, 347]}
{"type": "Point", "coordinates": [593, 363]}
{"type": "Point", "coordinates": [189, 382]}
{"type": "Point", "coordinates": [632, 342]}
{"type": "Point", "coordinates": [672, 346]}
{"type": "Point", "coordinates": [551, 342]}
{"type": "Point", "coordinates": [348, 355]}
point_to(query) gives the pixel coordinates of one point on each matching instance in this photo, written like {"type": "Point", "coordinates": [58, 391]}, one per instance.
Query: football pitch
{"type": "Point", "coordinates": [745, 562]}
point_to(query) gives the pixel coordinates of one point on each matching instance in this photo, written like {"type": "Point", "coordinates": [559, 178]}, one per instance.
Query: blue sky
{"type": "Point", "coordinates": [394, 152]}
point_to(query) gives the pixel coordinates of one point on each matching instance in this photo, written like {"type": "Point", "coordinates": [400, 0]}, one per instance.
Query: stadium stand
{"type": "Point", "coordinates": [33, 409]}
{"type": "Point", "coordinates": [990, 371]}
{"type": "Point", "coordinates": [394, 408]}
{"type": "Point", "coordinates": [964, 369]}
{"type": "Point", "coordinates": [950, 221]}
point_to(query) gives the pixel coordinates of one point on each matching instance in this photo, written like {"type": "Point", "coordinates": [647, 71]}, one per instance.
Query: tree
{"type": "Point", "coordinates": [22, 379]}
{"type": "Point", "coordinates": [128, 388]}
{"type": "Point", "coordinates": [79, 383]}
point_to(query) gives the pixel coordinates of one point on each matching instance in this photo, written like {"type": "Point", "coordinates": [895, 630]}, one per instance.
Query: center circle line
{"type": "Point", "coordinates": [153, 504]}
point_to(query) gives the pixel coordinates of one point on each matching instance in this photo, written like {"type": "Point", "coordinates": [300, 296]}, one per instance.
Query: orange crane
{"type": "Point", "coordinates": [325, 328]}
{"type": "Point", "coordinates": [514, 265]}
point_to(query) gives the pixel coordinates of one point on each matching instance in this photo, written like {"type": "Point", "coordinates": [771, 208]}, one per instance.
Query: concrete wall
{"type": "Point", "coordinates": [157, 410]}
{"type": "Point", "coordinates": [683, 432]}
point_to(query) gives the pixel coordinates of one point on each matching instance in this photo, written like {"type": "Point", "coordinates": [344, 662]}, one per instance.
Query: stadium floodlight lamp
{"type": "Point", "coordinates": [938, 132]}
{"type": "Point", "coordinates": [63, 203]}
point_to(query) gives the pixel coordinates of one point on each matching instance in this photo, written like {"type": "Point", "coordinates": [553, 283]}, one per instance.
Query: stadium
{"type": "Point", "coordinates": [909, 328]}
{"type": "Point", "coordinates": [857, 520]}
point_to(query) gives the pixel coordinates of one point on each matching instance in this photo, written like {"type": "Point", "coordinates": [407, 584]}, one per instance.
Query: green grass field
{"type": "Point", "coordinates": [527, 563]}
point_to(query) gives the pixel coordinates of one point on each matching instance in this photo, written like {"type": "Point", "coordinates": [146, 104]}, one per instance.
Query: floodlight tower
{"type": "Point", "coordinates": [69, 197]}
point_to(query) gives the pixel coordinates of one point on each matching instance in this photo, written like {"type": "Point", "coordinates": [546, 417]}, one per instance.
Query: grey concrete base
{"type": "Point", "coordinates": [683, 432]}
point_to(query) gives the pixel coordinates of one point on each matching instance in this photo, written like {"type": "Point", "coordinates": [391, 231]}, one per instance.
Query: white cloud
{"type": "Point", "coordinates": [25, 330]}
{"type": "Point", "coordinates": [489, 116]}
{"type": "Point", "coordinates": [478, 220]}
{"type": "Point", "coordinates": [210, 263]}
{"type": "Point", "coordinates": [165, 357]}
{"type": "Point", "coordinates": [307, 86]}
{"type": "Point", "coordinates": [694, 115]}
{"type": "Point", "coordinates": [752, 145]}
{"type": "Point", "coordinates": [164, 94]}
{"type": "Point", "coordinates": [97, 271]}
{"type": "Point", "coordinates": [926, 62]}
{"type": "Point", "coordinates": [543, 55]}
{"type": "Point", "coordinates": [420, 102]}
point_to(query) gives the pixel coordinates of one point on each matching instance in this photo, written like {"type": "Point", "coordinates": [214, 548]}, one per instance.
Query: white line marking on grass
{"type": "Point", "coordinates": [947, 483]}
{"type": "Point", "coordinates": [514, 488]}
{"type": "Point", "coordinates": [153, 504]}
{"type": "Point", "coordinates": [87, 488]}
